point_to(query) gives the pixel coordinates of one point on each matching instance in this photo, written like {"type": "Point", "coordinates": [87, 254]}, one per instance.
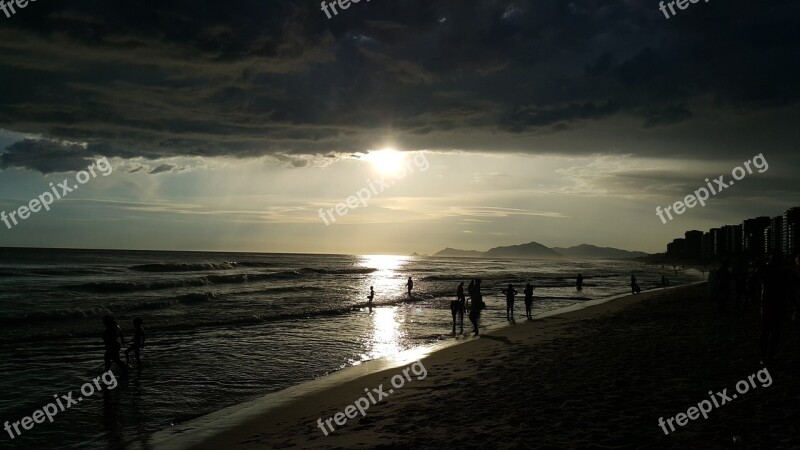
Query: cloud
{"type": "Point", "coordinates": [48, 156]}
{"type": "Point", "coordinates": [162, 168]}
{"type": "Point", "coordinates": [255, 78]}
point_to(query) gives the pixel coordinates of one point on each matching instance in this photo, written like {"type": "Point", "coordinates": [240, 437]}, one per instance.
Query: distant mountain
{"type": "Point", "coordinates": [529, 250]}
{"type": "Point", "coordinates": [418, 255]}
{"type": "Point", "coordinates": [454, 252]}
{"type": "Point", "coordinates": [536, 250]}
{"type": "Point", "coordinates": [593, 252]}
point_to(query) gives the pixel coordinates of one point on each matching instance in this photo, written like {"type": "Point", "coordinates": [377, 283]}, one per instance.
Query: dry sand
{"type": "Point", "coordinates": [597, 377]}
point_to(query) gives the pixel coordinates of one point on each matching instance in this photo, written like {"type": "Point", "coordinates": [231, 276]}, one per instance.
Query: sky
{"type": "Point", "coordinates": [230, 125]}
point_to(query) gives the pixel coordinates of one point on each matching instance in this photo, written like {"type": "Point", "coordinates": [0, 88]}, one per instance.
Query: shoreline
{"type": "Point", "coordinates": [235, 422]}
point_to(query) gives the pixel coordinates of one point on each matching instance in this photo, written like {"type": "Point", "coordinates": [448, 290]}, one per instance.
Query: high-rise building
{"type": "Point", "coordinates": [753, 235]}
{"type": "Point", "coordinates": [773, 236]}
{"type": "Point", "coordinates": [677, 248]}
{"type": "Point", "coordinates": [694, 244]}
{"type": "Point", "coordinates": [706, 247]}
{"type": "Point", "coordinates": [791, 228]}
{"type": "Point", "coordinates": [733, 239]}
{"type": "Point", "coordinates": [717, 242]}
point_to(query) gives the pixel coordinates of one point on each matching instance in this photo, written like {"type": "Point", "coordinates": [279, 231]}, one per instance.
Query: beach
{"type": "Point", "coordinates": [601, 376]}
{"type": "Point", "coordinates": [225, 329]}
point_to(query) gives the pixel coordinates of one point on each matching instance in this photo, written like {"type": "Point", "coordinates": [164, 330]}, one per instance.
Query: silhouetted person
{"type": "Point", "coordinates": [471, 292]}
{"type": "Point", "coordinates": [138, 343]}
{"type": "Point", "coordinates": [663, 281]}
{"type": "Point", "coordinates": [110, 334]}
{"type": "Point", "coordinates": [370, 296]}
{"type": "Point", "coordinates": [774, 293]}
{"type": "Point", "coordinates": [635, 289]}
{"type": "Point", "coordinates": [410, 286]}
{"type": "Point", "coordinates": [457, 307]}
{"type": "Point", "coordinates": [724, 280]}
{"type": "Point", "coordinates": [579, 282]}
{"type": "Point", "coordinates": [528, 300]}
{"type": "Point", "coordinates": [510, 293]}
{"type": "Point", "coordinates": [477, 306]}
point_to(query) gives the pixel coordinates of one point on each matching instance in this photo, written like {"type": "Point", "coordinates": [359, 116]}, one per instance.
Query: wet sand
{"type": "Point", "coordinates": [597, 377]}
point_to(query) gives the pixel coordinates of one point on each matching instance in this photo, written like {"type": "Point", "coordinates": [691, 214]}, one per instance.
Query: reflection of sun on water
{"type": "Point", "coordinates": [386, 334]}
{"type": "Point", "coordinates": [382, 262]}
{"type": "Point", "coordinates": [388, 281]}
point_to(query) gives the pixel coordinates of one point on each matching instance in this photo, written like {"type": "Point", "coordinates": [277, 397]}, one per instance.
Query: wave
{"type": "Point", "coordinates": [132, 286]}
{"type": "Point", "coordinates": [363, 270]}
{"type": "Point", "coordinates": [50, 333]}
{"type": "Point", "coordinates": [101, 310]}
{"type": "Point", "coordinates": [182, 267]}
{"type": "Point", "coordinates": [287, 289]}
{"type": "Point", "coordinates": [199, 267]}
{"type": "Point", "coordinates": [49, 271]}
{"type": "Point", "coordinates": [253, 264]}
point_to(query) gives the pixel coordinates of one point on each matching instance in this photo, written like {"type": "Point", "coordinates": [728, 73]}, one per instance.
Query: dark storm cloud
{"type": "Point", "coordinates": [252, 78]}
{"type": "Point", "coordinates": [48, 156]}
{"type": "Point", "coordinates": [163, 168]}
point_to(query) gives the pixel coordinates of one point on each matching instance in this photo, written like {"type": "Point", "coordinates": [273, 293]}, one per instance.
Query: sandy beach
{"type": "Point", "coordinates": [600, 377]}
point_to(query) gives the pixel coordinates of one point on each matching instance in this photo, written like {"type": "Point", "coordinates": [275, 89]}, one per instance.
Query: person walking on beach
{"type": "Point", "coordinates": [579, 282]}
{"type": "Point", "coordinates": [471, 292]}
{"type": "Point", "coordinates": [477, 306]}
{"type": "Point", "coordinates": [635, 289]}
{"type": "Point", "coordinates": [138, 343]}
{"type": "Point", "coordinates": [110, 334]}
{"type": "Point", "coordinates": [510, 293]}
{"type": "Point", "coordinates": [410, 286]}
{"type": "Point", "coordinates": [457, 307]}
{"type": "Point", "coordinates": [528, 300]}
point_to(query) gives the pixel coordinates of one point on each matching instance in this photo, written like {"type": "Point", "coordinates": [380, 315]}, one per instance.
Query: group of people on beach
{"type": "Point", "coordinates": [114, 339]}
{"type": "Point", "coordinates": [476, 304]}
{"type": "Point", "coordinates": [766, 281]}
{"type": "Point", "coordinates": [459, 307]}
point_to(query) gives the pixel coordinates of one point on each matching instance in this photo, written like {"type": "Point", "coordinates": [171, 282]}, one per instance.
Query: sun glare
{"type": "Point", "coordinates": [387, 161]}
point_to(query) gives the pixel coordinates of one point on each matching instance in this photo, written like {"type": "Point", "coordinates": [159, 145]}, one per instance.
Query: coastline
{"type": "Point", "coordinates": [334, 391]}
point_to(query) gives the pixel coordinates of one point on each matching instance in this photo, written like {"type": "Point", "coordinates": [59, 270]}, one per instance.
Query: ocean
{"type": "Point", "coordinates": [225, 328]}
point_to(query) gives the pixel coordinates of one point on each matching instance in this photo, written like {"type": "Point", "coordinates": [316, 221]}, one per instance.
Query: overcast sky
{"type": "Point", "coordinates": [230, 124]}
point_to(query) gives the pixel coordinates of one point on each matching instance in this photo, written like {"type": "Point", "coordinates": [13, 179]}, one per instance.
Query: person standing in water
{"type": "Point", "coordinates": [110, 334]}
{"type": "Point", "coordinates": [528, 300]}
{"type": "Point", "coordinates": [138, 343]}
{"type": "Point", "coordinates": [457, 307]}
{"type": "Point", "coordinates": [471, 292]}
{"type": "Point", "coordinates": [370, 296]}
{"type": "Point", "coordinates": [635, 289]}
{"type": "Point", "coordinates": [579, 282]}
{"type": "Point", "coordinates": [410, 286]}
{"type": "Point", "coordinates": [510, 293]}
{"type": "Point", "coordinates": [477, 306]}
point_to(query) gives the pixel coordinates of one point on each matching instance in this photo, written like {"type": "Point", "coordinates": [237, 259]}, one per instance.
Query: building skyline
{"type": "Point", "coordinates": [753, 237]}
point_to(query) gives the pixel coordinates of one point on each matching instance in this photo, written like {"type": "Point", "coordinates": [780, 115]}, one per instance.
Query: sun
{"type": "Point", "coordinates": [387, 161]}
